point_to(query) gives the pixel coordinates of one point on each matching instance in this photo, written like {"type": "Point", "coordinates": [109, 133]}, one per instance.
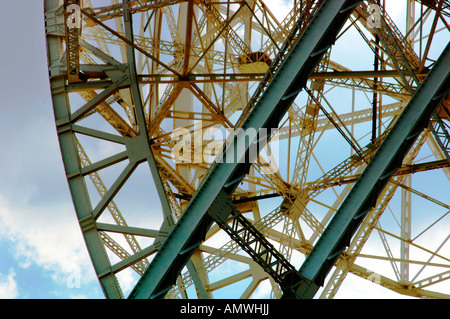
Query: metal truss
{"type": "Point", "coordinates": [210, 201]}
{"type": "Point", "coordinates": [363, 197]}
{"type": "Point", "coordinates": [134, 73]}
{"type": "Point", "coordinates": [441, 131]}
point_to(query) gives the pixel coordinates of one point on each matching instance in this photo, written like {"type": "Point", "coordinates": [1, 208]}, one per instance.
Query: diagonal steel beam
{"type": "Point", "coordinates": [72, 166]}
{"type": "Point", "coordinates": [441, 132]}
{"type": "Point", "coordinates": [362, 198]}
{"type": "Point", "coordinates": [212, 200]}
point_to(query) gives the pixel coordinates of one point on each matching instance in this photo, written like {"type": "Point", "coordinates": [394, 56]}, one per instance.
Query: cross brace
{"type": "Point", "coordinates": [247, 236]}
{"type": "Point", "coordinates": [213, 195]}
{"type": "Point", "coordinates": [441, 132]}
{"type": "Point", "coordinates": [386, 161]}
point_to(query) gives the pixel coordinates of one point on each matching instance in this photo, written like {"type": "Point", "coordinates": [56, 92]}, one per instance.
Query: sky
{"type": "Point", "coordinates": [42, 253]}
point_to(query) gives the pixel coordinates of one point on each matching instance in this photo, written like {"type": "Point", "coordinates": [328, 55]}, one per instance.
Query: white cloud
{"type": "Point", "coordinates": [8, 286]}
{"type": "Point", "coordinates": [263, 291]}
{"type": "Point", "coordinates": [128, 279]}
{"type": "Point", "coordinates": [48, 237]}
{"type": "Point", "coordinates": [396, 9]}
{"type": "Point", "coordinates": [280, 8]}
{"type": "Point", "coordinates": [355, 287]}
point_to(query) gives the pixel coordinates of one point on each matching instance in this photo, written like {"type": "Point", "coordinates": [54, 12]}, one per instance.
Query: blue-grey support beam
{"type": "Point", "coordinates": [441, 132]}
{"type": "Point", "coordinates": [363, 196]}
{"type": "Point", "coordinates": [72, 165]}
{"type": "Point", "coordinates": [141, 145]}
{"type": "Point", "coordinates": [212, 200]}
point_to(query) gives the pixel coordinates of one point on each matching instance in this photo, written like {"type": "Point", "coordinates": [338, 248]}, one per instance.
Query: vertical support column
{"type": "Point", "coordinates": [185, 101]}
{"type": "Point", "coordinates": [155, 88]}
{"type": "Point", "coordinates": [375, 91]}
{"type": "Point", "coordinates": [410, 17]}
{"type": "Point", "coordinates": [405, 231]}
{"type": "Point", "coordinates": [142, 141]}
{"type": "Point", "coordinates": [72, 18]}
{"type": "Point", "coordinates": [375, 87]}
{"type": "Point", "coordinates": [352, 128]}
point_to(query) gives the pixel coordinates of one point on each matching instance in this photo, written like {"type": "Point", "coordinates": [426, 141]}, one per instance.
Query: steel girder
{"type": "Point", "coordinates": [212, 200]}
{"type": "Point", "coordinates": [441, 132]}
{"type": "Point", "coordinates": [69, 153]}
{"type": "Point", "coordinates": [138, 148]}
{"type": "Point", "coordinates": [386, 161]}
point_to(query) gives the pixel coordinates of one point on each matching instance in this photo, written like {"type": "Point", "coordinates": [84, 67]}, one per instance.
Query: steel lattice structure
{"type": "Point", "coordinates": [346, 169]}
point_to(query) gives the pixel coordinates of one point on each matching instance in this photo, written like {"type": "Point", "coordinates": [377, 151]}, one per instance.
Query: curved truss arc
{"type": "Point", "coordinates": [146, 69]}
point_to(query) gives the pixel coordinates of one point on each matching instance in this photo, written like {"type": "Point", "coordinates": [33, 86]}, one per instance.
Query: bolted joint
{"type": "Point", "coordinates": [87, 223]}
{"type": "Point", "coordinates": [222, 208]}
{"type": "Point", "coordinates": [295, 286]}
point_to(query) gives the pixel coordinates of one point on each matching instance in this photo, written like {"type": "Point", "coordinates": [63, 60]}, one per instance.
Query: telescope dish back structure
{"type": "Point", "coordinates": [146, 93]}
